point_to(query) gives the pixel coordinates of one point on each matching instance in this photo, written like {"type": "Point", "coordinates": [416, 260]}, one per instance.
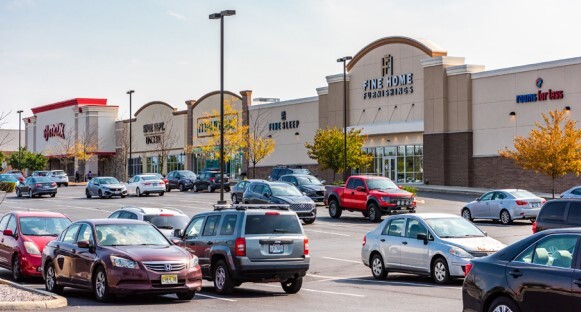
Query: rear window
{"type": "Point", "coordinates": [574, 213]}
{"type": "Point", "coordinates": [150, 178]}
{"type": "Point", "coordinates": [553, 211]}
{"type": "Point", "coordinates": [522, 194]}
{"type": "Point", "coordinates": [59, 173]}
{"type": "Point", "coordinates": [167, 222]}
{"type": "Point", "coordinates": [41, 180]}
{"type": "Point", "coordinates": [272, 224]}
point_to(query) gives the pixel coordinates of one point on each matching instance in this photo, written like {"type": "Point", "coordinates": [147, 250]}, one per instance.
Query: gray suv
{"type": "Point", "coordinates": [248, 243]}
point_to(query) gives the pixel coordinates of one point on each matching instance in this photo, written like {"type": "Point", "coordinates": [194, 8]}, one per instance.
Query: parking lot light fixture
{"type": "Point", "coordinates": [19, 139]}
{"type": "Point", "coordinates": [344, 61]}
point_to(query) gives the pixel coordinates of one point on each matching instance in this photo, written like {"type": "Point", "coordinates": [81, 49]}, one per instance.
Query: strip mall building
{"type": "Point", "coordinates": [428, 118]}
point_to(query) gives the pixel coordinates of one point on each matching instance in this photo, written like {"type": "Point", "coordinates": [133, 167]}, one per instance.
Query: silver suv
{"type": "Point", "coordinates": [168, 221]}
{"type": "Point", "coordinates": [249, 243]}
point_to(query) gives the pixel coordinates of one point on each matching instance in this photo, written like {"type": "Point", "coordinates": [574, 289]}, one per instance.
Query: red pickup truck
{"type": "Point", "coordinates": [373, 196]}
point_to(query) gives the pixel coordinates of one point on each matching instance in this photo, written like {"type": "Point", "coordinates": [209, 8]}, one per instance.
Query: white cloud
{"type": "Point", "coordinates": [176, 15]}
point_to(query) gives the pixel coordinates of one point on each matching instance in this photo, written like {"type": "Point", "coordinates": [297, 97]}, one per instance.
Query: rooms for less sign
{"type": "Point", "coordinates": [540, 95]}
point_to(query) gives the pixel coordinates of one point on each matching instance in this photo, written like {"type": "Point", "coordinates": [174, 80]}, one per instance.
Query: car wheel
{"type": "Point", "coordinates": [161, 194]}
{"type": "Point", "coordinates": [122, 196]}
{"type": "Point", "coordinates": [377, 268]}
{"type": "Point", "coordinates": [182, 188]}
{"type": "Point", "coordinates": [440, 272]}
{"type": "Point", "coordinates": [18, 193]}
{"type": "Point", "coordinates": [167, 188]}
{"type": "Point", "coordinates": [30, 195]}
{"type": "Point", "coordinates": [309, 221]}
{"type": "Point", "coordinates": [101, 194]}
{"type": "Point", "coordinates": [189, 295]}
{"type": "Point", "coordinates": [222, 281]}
{"type": "Point", "coordinates": [334, 209]}
{"type": "Point", "coordinates": [88, 194]}
{"type": "Point", "coordinates": [365, 214]}
{"type": "Point", "coordinates": [50, 283]}
{"type": "Point", "coordinates": [234, 199]}
{"type": "Point", "coordinates": [195, 188]}
{"type": "Point", "coordinates": [374, 213]}
{"type": "Point", "coordinates": [210, 189]}
{"type": "Point", "coordinates": [16, 274]}
{"type": "Point", "coordinates": [292, 286]}
{"type": "Point", "coordinates": [100, 286]}
{"type": "Point", "coordinates": [466, 214]}
{"type": "Point", "coordinates": [53, 195]}
{"type": "Point", "coordinates": [505, 217]}
{"type": "Point", "coordinates": [138, 192]}
{"type": "Point", "coordinates": [503, 304]}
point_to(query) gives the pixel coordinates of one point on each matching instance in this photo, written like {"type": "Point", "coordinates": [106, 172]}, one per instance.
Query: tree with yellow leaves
{"type": "Point", "coordinates": [552, 149]}
{"type": "Point", "coordinates": [235, 134]}
{"type": "Point", "coordinates": [259, 145]}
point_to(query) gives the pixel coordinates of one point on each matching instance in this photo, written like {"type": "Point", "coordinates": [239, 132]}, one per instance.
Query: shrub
{"type": "Point", "coordinates": [410, 189]}
{"type": "Point", "coordinates": [7, 187]}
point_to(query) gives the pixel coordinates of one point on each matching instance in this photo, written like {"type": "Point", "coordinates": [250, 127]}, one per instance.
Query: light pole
{"type": "Point", "coordinates": [130, 162]}
{"type": "Point", "coordinates": [220, 16]}
{"type": "Point", "coordinates": [19, 139]}
{"type": "Point", "coordinates": [344, 61]}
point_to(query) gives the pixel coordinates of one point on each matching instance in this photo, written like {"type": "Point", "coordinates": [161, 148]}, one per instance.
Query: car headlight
{"type": "Point", "coordinates": [187, 181]}
{"type": "Point", "coordinates": [105, 188]}
{"type": "Point", "coordinates": [123, 263]}
{"type": "Point", "coordinates": [385, 199]}
{"type": "Point", "coordinates": [459, 252]}
{"type": "Point", "coordinates": [193, 262]}
{"type": "Point", "coordinates": [31, 248]}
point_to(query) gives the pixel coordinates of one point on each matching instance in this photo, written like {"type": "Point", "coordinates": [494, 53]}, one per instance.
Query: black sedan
{"type": "Point", "coordinates": [538, 273]}
{"type": "Point", "coordinates": [308, 184]}
{"type": "Point", "coordinates": [239, 188]}
{"type": "Point", "coordinates": [36, 186]}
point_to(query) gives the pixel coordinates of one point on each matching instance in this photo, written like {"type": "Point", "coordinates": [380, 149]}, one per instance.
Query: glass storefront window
{"type": "Point", "coordinates": [176, 162]}
{"type": "Point", "coordinates": [135, 166]}
{"type": "Point", "coordinates": [389, 151]}
{"type": "Point", "coordinates": [403, 164]}
{"type": "Point", "coordinates": [153, 164]}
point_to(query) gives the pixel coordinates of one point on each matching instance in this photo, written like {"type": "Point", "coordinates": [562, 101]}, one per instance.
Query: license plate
{"type": "Point", "coordinates": [117, 192]}
{"type": "Point", "coordinates": [276, 248]}
{"type": "Point", "coordinates": [169, 279]}
{"type": "Point", "coordinates": [535, 205]}
{"type": "Point", "coordinates": [154, 184]}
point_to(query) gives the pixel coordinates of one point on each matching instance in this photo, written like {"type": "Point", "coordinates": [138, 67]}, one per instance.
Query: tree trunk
{"type": "Point", "coordinates": [553, 180]}
{"type": "Point", "coordinates": [253, 170]}
{"type": "Point", "coordinates": [334, 176]}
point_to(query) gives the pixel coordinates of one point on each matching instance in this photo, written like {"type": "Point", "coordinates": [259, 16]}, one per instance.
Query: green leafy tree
{"type": "Point", "coordinates": [328, 149]}
{"type": "Point", "coordinates": [552, 148]}
{"type": "Point", "coordinates": [27, 160]}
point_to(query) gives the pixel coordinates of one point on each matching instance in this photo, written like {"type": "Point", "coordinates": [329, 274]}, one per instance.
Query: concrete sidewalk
{"type": "Point", "coordinates": [473, 191]}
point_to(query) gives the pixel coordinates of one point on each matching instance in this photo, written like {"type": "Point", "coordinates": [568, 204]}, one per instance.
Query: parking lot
{"type": "Point", "coordinates": [336, 281]}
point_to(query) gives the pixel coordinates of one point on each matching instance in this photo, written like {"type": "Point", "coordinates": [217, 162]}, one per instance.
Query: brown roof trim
{"type": "Point", "coordinates": [153, 103]}
{"type": "Point", "coordinates": [391, 40]}
{"type": "Point", "coordinates": [207, 95]}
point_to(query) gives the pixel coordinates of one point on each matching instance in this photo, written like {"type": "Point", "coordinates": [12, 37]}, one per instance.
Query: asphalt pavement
{"type": "Point", "coordinates": [337, 279]}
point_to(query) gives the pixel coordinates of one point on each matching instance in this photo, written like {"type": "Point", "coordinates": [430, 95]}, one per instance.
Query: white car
{"type": "Point", "coordinates": [145, 184]}
{"type": "Point", "coordinates": [165, 219]}
{"type": "Point", "coordinates": [504, 205]}
{"type": "Point", "coordinates": [59, 177]}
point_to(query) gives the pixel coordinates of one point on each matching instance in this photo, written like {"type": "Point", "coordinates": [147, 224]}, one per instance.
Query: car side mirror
{"type": "Point", "coordinates": [360, 189]}
{"type": "Point", "coordinates": [304, 194]}
{"type": "Point", "coordinates": [323, 181]}
{"type": "Point", "coordinates": [399, 187]}
{"type": "Point", "coordinates": [423, 237]}
{"type": "Point", "coordinates": [485, 233]}
{"type": "Point", "coordinates": [178, 233]}
{"type": "Point", "coordinates": [8, 232]}
{"type": "Point", "coordinates": [266, 194]}
{"type": "Point", "coordinates": [83, 244]}
{"type": "Point", "coordinates": [477, 198]}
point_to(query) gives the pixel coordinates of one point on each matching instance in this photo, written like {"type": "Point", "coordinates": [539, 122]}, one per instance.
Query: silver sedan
{"type": "Point", "coordinates": [436, 244]}
{"type": "Point", "coordinates": [574, 192]}
{"type": "Point", "coordinates": [504, 205]}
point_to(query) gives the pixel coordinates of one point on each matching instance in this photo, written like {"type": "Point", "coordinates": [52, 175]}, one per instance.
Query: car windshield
{"type": "Point", "coordinates": [284, 190]}
{"type": "Point", "coordinates": [522, 194]}
{"type": "Point", "coordinates": [41, 180]}
{"type": "Point", "coordinates": [18, 174]}
{"type": "Point", "coordinates": [41, 173]}
{"type": "Point", "coordinates": [453, 228]}
{"type": "Point", "coordinates": [108, 181]}
{"type": "Point", "coordinates": [130, 235]}
{"type": "Point", "coordinates": [8, 178]}
{"type": "Point", "coordinates": [167, 221]}
{"type": "Point", "coordinates": [309, 181]}
{"type": "Point", "coordinates": [59, 173]}
{"type": "Point", "coordinates": [380, 184]}
{"type": "Point", "coordinates": [43, 226]}
{"type": "Point", "coordinates": [272, 224]}
{"type": "Point", "coordinates": [187, 174]}
{"type": "Point", "coordinates": [149, 178]}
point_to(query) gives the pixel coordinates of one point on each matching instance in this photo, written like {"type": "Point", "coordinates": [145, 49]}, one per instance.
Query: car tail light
{"type": "Point", "coordinates": [306, 246]}
{"type": "Point", "coordinates": [467, 269]}
{"type": "Point", "coordinates": [161, 182]}
{"type": "Point", "coordinates": [38, 185]}
{"type": "Point", "coordinates": [522, 202]}
{"type": "Point", "coordinates": [240, 247]}
{"type": "Point", "coordinates": [53, 184]}
{"type": "Point", "coordinates": [147, 183]}
{"type": "Point", "coordinates": [534, 227]}
{"type": "Point", "coordinates": [212, 180]}
{"type": "Point", "coordinates": [544, 200]}
{"type": "Point", "coordinates": [364, 240]}
{"type": "Point", "coordinates": [165, 215]}
{"type": "Point", "coordinates": [272, 213]}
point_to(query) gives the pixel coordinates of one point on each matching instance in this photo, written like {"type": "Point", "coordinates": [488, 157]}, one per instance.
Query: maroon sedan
{"type": "Point", "coordinates": [119, 256]}
{"type": "Point", "coordinates": [23, 236]}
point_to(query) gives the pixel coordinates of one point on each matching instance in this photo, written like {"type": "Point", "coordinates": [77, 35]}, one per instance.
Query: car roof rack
{"type": "Point", "coordinates": [219, 207]}
{"type": "Point", "coordinates": [143, 211]}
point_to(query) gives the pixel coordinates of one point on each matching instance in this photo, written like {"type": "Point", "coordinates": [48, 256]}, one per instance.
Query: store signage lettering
{"type": "Point", "coordinates": [284, 124]}
{"type": "Point", "coordinates": [389, 84]}
{"type": "Point", "coordinates": [210, 126]}
{"type": "Point", "coordinates": [148, 129]}
{"type": "Point", "coordinates": [54, 130]}
{"type": "Point", "coordinates": [540, 95]}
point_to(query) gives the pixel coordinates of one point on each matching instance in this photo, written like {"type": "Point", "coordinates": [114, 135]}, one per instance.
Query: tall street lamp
{"type": "Point", "coordinates": [130, 162]}
{"type": "Point", "coordinates": [19, 139]}
{"type": "Point", "coordinates": [220, 16]}
{"type": "Point", "coordinates": [344, 60]}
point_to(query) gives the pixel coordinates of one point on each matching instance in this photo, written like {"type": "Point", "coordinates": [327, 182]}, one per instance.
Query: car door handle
{"type": "Point", "coordinates": [515, 273]}
{"type": "Point", "coordinates": [577, 282]}
{"type": "Point", "coordinates": [210, 243]}
{"type": "Point", "coordinates": [405, 243]}
{"type": "Point", "coordinates": [382, 240]}
{"type": "Point", "coordinates": [74, 251]}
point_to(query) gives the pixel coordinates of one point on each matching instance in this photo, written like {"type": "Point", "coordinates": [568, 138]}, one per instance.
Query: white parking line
{"type": "Point", "coordinates": [214, 297]}
{"type": "Point", "coordinates": [325, 232]}
{"type": "Point", "coordinates": [344, 260]}
{"type": "Point", "coordinates": [320, 291]}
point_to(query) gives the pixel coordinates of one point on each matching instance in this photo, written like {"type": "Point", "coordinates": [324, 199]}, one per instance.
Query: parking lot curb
{"type": "Point", "coordinates": [56, 301]}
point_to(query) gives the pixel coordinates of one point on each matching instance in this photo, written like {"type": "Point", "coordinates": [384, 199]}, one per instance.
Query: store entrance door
{"type": "Point", "coordinates": [390, 167]}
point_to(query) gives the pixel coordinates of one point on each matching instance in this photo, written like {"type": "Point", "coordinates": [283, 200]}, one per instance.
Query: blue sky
{"type": "Point", "coordinates": [56, 50]}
